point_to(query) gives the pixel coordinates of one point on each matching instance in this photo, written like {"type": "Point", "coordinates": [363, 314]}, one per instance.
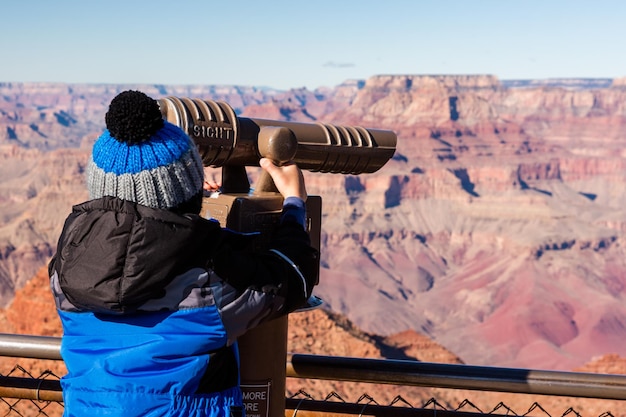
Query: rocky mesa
{"type": "Point", "coordinates": [496, 230]}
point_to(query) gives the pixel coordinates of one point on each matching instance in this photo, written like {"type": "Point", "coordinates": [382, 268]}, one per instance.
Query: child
{"type": "Point", "coordinates": [152, 296]}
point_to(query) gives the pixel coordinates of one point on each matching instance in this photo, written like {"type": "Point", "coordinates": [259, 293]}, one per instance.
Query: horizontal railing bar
{"type": "Point", "coordinates": [30, 388]}
{"type": "Point", "coordinates": [397, 372]}
{"type": "Point", "coordinates": [438, 375]}
{"type": "Point", "coordinates": [27, 346]}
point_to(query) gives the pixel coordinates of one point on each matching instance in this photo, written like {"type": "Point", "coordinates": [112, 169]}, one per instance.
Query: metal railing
{"type": "Point", "coordinates": [439, 375]}
{"type": "Point", "coordinates": [35, 347]}
{"type": "Point", "coordinates": [379, 371]}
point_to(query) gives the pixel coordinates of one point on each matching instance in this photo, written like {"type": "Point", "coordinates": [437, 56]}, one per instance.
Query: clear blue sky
{"type": "Point", "coordinates": [292, 43]}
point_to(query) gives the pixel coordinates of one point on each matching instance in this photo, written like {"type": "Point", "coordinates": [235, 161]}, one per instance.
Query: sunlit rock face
{"type": "Point", "coordinates": [497, 229]}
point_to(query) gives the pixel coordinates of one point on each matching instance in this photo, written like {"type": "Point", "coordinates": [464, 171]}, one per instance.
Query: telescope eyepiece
{"type": "Point", "coordinates": [277, 143]}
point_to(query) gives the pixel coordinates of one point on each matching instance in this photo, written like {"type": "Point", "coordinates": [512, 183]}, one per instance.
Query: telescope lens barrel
{"type": "Point", "coordinates": [224, 139]}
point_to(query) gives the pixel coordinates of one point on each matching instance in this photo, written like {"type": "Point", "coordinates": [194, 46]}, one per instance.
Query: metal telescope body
{"type": "Point", "coordinates": [232, 143]}
{"type": "Point", "coordinates": [226, 140]}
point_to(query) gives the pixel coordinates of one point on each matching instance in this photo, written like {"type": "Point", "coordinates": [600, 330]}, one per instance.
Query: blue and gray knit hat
{"type": "Point", "coordinates": [142, 158]}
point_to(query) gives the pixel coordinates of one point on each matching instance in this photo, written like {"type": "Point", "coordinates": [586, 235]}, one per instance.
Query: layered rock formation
{"type": "Point", "coordinates": [497, 229]}
{"type": "Point", "coordinates": [502, 223]}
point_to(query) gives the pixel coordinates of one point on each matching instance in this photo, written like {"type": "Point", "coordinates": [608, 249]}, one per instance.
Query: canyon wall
{"type": "Point", "coordinates": [497, 229]}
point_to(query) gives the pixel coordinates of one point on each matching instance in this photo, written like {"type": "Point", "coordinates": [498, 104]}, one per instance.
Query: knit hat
{"type": "Point", "coordinates": [142, 158]}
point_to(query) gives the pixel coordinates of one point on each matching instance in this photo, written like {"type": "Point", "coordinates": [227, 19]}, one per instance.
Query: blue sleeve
{"type": "Point", "coordinates": [294, 210]}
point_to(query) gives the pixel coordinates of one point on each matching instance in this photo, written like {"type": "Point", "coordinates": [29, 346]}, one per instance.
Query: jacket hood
{"type": "Point", "coordinates": [114, 255]}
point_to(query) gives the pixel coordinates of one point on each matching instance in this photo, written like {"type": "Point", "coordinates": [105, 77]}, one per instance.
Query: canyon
{"type": "Point", "coordinates": [321, 332]}
{"type": "Point", "coordinates": [496, 230]}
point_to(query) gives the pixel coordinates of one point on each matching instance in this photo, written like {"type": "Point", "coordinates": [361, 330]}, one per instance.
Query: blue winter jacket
{"type": "Point", "coordinates": [152, 303]}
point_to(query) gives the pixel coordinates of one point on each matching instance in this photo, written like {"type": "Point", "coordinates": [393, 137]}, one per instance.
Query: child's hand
{"type": "Point", "coordinates": [287, 178]}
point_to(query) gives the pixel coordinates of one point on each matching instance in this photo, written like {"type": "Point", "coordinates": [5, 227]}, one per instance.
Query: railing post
{"type": "Point", "coordinates": [263, 353]}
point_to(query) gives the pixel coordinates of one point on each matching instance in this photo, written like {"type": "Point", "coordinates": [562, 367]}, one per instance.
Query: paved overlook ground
{"type": "Point", "coordinates": [497, 230]}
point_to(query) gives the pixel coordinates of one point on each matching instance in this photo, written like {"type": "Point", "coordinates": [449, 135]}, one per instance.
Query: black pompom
{"type": "Point", "coordinates": [133, 117]}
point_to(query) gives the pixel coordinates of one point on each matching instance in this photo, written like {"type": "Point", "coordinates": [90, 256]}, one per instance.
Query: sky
{"type": "Point", "coordinates": [293, 44]}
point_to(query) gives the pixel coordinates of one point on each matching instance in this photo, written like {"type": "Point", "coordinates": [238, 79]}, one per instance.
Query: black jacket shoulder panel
{"type": "Point", "coordinates": [113, 255]}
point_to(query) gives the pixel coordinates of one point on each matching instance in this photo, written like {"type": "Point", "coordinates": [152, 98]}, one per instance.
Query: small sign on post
{"type": "Point", "coordinates": [256, 398]}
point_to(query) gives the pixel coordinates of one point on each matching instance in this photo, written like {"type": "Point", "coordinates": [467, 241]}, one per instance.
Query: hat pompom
{"type": "Point", "coordinates": [133, 117]}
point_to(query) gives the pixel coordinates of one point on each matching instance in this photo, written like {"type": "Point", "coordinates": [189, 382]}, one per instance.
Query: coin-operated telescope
{"type": "Point", "coordinates": [233, 143]}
